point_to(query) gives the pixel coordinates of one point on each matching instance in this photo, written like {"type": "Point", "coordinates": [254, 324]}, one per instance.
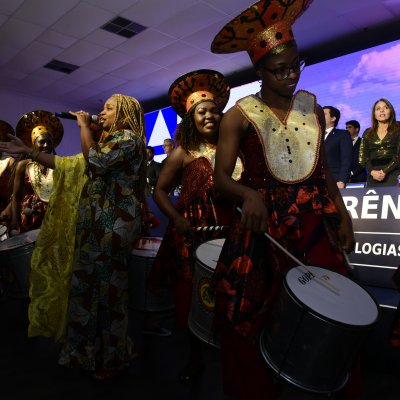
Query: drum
{"type": "Point", "coordinates": [15, 262]}
{"type": "Point", "coordinates": [201, 316]}
{"type": "Point", "coordinates": [142, 258]}
{"type": "Point", "coordinates": [314, 334]}
{"type": "Point", "coordinates": [3, 233]}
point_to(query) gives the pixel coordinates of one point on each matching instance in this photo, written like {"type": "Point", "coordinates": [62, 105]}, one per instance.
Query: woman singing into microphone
{"type": "Point", "coordinates": [82, 250]}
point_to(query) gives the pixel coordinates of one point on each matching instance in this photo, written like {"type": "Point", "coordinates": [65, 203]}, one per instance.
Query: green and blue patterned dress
{"type": "Point", "coordinates": [109, 221]}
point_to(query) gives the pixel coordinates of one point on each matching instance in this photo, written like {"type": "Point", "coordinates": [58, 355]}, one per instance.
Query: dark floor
{"type": "Point", "coordinates": [29, 370]}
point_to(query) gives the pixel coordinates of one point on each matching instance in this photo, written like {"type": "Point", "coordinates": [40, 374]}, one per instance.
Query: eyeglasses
{"type": "Point", "coordinates": [283, 72]}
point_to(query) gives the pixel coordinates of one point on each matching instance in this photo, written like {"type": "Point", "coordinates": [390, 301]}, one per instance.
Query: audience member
{"type": "Point", "coordinates": [153, 170]}
{"type": "Point", "coordinates": [168, 146]}
{"type": "Point", "coordinates": [380, 146]}
{"type": "Point", "coordinates": [358, 172]}
{"type": "Point", "coordinates": [338, 147]}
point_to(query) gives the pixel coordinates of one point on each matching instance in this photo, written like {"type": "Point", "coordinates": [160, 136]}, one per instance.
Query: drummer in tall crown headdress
{"type": "Point", "coordinates": [199, 98]}
{"type": "Point", "coordinates": [6, 164]}
{"type": "Point", "coordinates": [286, 189]}
{"type": "Point", "coordinates": [33, 182]}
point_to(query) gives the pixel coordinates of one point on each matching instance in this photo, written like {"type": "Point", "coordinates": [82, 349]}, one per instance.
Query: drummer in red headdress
{"type": "Point", "coordinates": [199, 98]}
{"type": "Point", "coordinates": [286, 190]}
{"type": "Point", "coordinates": [33, 182]}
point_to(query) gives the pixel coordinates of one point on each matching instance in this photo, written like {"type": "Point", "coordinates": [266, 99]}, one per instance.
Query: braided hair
{"type": "Point", "coordinates": [129, 115]}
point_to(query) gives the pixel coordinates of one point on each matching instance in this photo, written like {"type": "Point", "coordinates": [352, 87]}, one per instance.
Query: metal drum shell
{"type": "Point", "coordinates": [15, 263]}
{"type": "Point", "coordinates": [141, 263]}
{"type": "Point", "coordinates": [308, 349]}
{"type": "Point", "coordinates": [201, 316]}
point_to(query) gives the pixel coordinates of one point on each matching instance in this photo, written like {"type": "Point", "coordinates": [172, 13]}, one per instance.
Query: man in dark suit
{"type": "Point", "coordinates": [153, 170]}
{"type": "Point", "coordinates": [338, 147]}
{"type": "Point", "coordinates": [358, 172]}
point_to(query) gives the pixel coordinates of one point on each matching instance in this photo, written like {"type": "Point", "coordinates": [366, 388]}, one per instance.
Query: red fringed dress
{"type": "Point", "coordinates": [173, 266]}
{"type": "Point", "coordinates": [302, 217]}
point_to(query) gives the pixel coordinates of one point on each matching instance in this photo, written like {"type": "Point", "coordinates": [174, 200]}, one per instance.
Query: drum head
{"type": "Point", "coordinates": [20, 240]}
{"type": "Point", "coordinates": [3, 230]}
{"type": "Point", "coordinates": [353, 305]}
{"type": "Point", "coordinates": [208, 253]}
{"type": "Point", "coordinates": [147, 247]}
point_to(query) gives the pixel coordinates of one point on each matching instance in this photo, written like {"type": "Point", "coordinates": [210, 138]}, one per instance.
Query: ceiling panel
{"type": "Point", "coordinates": [18, 34]}
{"type": "Point", "coordinates": [152, 12]}
{"type": "Point", "coordinates": [43, 12]}
{"type": "Point", "coordinates": [56, 39]}
{"type": "Point", "coordinates": [8, 7]}
{"type": "Point", "coordinates": [136, 70]}
{"type": "Point", "coordinates": [82, 20]}
{"type": "Point", "coordinates": [185, 23]}
{"type": "Point", "coordinates": [109, 61]}
{"type": "Point", "coordinates": [116, 6]}
{"type": "Point", "coordinates": [177, 40]}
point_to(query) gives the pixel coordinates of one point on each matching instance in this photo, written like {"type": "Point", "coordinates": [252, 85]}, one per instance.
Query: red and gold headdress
{"type": "Point", "coordinates": [264, 26]}
{"type": "Point", "coordinates": [5, 129]}
{"type": "Point", "coordinates": [36, 123]}
{"type": "Point", "coordinates": [198, 86]}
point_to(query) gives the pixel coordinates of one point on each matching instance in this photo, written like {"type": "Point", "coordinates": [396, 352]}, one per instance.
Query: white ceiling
{"type": "Point", "coordinates": [177, 40]}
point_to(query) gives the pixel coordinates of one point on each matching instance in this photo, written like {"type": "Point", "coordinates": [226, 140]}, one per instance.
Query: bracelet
{"type": "Point", "coordinates": [33, 154]}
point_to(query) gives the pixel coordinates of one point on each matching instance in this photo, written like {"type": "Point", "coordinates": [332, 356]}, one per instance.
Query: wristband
{"type": "Point", "coordinates": [33, 154]}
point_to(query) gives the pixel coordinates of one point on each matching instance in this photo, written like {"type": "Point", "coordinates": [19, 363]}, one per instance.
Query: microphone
{"type": "Point", "coordinates": [66, 115]}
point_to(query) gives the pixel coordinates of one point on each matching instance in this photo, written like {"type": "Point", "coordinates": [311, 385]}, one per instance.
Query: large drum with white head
{"type": "Point", "coordinates": [15, 263]}
{"type": "Point", "coordinates": [142, 258]}
{"type": "Point", "coordinates": [201, 317]}
{"type": "Point", "coordinates": [316, 329]}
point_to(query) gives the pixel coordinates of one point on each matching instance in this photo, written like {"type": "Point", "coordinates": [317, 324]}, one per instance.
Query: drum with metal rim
{"type": "Point", "coordinates": [201, 315]}
{"type": "Point", "coordinates": [140, 298]}
{"type": "Point", "coordinates": [314, 333]}
{"type": "Point", "coordinates": [15, 262]}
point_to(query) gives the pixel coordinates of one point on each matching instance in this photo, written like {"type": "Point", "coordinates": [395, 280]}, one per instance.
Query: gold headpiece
{"type": "Point", "coordinates": [39, 122]}
{"type": "Point", "coordinates": [198, 86]}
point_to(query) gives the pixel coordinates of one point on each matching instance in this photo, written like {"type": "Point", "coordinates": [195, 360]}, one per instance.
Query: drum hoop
{"type": "Point", "coordinates": [197, 258]}
{"type": "Point", "coordinates": [204, 265]}
{"type": "Point", "coordinates": [330, 320]}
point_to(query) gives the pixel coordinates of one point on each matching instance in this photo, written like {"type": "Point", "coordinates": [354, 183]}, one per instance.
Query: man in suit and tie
{"type": "Point", "coordinates": [153, 170]}
{"type": "Point", "coordinates": [338, 147]}
{"type": "Point", "coordinates": [358, 172]}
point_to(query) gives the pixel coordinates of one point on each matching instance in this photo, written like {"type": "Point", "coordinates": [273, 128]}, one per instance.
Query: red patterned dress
{"type": "Point", "coordinates": [5, 190]}
{"type": "Point", "coordinates": [38, 186]}
{"type": "Point", "coordinates": [250, 271]}
{"type": "Point", "coordinates": [174, 263]}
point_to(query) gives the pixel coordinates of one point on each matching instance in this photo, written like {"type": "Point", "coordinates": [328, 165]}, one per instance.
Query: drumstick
{"type": "Point", "coordinates": [210, 228]}
{"type": "Point", "coordinates": [326, 284]}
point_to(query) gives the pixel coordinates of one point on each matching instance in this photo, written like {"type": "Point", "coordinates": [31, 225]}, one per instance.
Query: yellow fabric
{"type": "Point", "coordinates": [52, 258]}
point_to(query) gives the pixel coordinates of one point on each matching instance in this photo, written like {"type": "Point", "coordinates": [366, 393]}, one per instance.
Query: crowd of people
{"type": "Point", "coordinates": [227, 169]}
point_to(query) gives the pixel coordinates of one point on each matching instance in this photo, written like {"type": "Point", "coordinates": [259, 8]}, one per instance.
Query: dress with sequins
{"type": "Point", "coordinates": [200, 204]}
{"type": "Point", "coordinates": [301, 216]}
{"type": "Point", "coordinates": [381, 154]}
